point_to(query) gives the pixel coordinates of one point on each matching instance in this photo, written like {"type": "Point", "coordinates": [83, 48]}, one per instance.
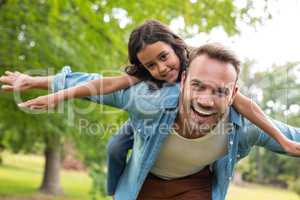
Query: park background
{"type": "Point", "coordinates": [39, 37]}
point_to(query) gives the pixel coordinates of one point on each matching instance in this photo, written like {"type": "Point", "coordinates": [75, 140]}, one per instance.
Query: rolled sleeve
{"type": "Point", "coordinates": [66, 79]}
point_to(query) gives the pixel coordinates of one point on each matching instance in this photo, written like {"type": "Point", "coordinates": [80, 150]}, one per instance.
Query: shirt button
{"type": "Point", "coordinates": [238, 156]}
{"type": "Point", "coordinates": [230, 178]}
{"type": "Point", "coordinates": [231, 142]}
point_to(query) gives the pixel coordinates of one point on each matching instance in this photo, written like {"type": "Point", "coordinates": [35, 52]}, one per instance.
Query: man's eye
{"type": "Point", "coordinates": [222, 92]}
{"type": "Point", "coordinates": [198, 87]}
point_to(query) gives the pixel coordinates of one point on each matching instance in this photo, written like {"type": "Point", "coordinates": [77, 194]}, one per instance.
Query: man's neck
{"type": "Point", "coordinates": [185, 131]}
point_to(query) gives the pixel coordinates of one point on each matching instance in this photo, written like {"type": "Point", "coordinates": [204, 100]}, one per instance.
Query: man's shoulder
{"type": "Point", "coordinates": [147, 98]}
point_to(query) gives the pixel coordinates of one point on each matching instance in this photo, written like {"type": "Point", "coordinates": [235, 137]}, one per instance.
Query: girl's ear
{"type": "Point", "coordinates": [183, 77]}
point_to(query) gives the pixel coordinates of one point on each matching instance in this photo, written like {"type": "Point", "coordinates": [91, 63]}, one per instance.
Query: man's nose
{"type": "Point", "coordinates": [205, 100]}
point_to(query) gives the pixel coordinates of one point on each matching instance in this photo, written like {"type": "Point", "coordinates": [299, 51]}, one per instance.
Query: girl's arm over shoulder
{"type": "Point", "coordinates": [100, 86]}
{"type": "Point", "coordinates": [254, 113]}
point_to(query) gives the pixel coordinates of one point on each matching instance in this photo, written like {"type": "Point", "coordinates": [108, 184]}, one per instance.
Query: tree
{"type": "Point", "coordinates": [39, 37]}
{"type": "Point", "coordinates": [277, 93]}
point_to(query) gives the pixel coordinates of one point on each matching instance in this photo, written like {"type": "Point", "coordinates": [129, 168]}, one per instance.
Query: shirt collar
{"type": "Point", "coordinates": [234, 116]}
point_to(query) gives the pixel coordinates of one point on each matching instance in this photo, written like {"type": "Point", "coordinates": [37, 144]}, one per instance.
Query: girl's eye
{"type": "Point", "coordinates": [150, 66]}
{"type": "Point", "coordinates": [164, 56]}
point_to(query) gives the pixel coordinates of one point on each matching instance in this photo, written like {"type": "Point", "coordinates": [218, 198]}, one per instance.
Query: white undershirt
{"type": "Point", "coordinates": [180, 156]}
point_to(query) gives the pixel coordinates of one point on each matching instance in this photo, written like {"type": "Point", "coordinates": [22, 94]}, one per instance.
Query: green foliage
{"type": "Point", "coordinates": [296, 186]}
{"type": "Point", "coordinates": [39, 37]}
{"type": "Point", "coordinates": [279, 87]}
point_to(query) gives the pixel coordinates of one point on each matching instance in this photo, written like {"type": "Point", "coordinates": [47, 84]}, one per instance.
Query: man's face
{"type": "Point", "coordinates": [207, 90]}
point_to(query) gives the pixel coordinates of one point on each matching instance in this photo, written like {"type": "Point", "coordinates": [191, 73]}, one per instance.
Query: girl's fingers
{"type": "Point", "coordinates": [6, 79]}
{"type": "Point", "coordinates": [37, 107]}
{"type": "Point", "coordinates": [9, 73]}
{"type": "Point", "coordinates": [26, 104]}
{"type": "Point", "coordinates": [32, 102]}
{"type": "Point", "coordinates": [7, 88]}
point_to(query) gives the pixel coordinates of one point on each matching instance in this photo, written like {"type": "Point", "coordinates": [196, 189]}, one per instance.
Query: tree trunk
{"type": "Point", "coordinates": [51, 179]}
{"type": "Point", "coordinates": [259, 162]}
{"type": "Point", "coordinates": [1, 150]}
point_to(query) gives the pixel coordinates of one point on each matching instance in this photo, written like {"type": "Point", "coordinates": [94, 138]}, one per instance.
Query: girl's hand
{"type": "Point", "coordinates": [41, 103]}
{"type": "Point", "coordinates": [291, 147]}
{"type": "Point", "coordinates": [16, 81]}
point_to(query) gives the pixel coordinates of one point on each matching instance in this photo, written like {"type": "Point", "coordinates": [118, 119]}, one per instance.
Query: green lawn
{"type": "Point", "coordinates": [20, 176]}
{"type": "Point", "coordinates": [258, 192]}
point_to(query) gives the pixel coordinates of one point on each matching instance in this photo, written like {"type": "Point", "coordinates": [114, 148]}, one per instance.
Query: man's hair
{"type": "Point", "coordinates": [219, 52]}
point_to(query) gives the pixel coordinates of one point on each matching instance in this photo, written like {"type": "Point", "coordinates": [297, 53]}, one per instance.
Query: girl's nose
{"type": "Point", "coordinates": [162, 69]}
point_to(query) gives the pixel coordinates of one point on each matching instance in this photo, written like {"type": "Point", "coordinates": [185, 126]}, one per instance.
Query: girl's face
{"type": "Point", "coordinates": [161, 61]}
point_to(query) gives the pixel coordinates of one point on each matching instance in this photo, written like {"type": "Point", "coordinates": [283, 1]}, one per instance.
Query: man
{"type": "Point", "coordinates": [181, 130]}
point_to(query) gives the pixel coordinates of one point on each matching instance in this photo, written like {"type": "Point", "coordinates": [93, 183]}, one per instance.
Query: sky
{"type": "Point", "coordinates": [276, 41]}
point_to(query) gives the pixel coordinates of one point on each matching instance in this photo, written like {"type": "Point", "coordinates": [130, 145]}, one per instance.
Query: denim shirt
{"type": "Point", "coordinates": [152, 114]}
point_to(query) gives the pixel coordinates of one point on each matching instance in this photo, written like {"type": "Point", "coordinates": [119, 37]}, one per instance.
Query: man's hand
{"type": "Point", "coordinates": [16, 81]}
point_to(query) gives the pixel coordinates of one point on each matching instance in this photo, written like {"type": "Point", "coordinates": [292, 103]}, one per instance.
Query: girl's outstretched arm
{"type": "Point", "coordinates": [254, 113]}
{"type": "Point", "coordinates": [16, 81]}
{"type": "Point", "coordinates": [99, 86]}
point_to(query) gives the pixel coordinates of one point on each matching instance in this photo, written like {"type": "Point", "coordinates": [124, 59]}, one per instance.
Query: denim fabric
{"type": "Point", "coordinates": [152, 114]}
{"type": "Point", "coordinates": [117, 150]}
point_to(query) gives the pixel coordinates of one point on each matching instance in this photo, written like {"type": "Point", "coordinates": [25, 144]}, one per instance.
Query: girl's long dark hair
{"type": "Point", "coordinates": [149, 32]}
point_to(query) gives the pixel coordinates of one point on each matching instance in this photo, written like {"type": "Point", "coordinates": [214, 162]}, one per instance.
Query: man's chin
{"type": "Point", "coordinates": [201, 127]}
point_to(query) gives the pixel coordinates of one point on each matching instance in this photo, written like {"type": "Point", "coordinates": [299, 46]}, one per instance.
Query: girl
{"type": "Point", "coordinates": [158, 56]}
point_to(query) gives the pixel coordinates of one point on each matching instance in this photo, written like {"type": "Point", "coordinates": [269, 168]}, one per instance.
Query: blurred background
{"type": "Point", "coordinates": [61, 155]}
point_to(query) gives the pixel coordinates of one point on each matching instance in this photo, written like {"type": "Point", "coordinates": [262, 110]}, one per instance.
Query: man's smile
{"type": "Point", "coordinates": [203, 112]}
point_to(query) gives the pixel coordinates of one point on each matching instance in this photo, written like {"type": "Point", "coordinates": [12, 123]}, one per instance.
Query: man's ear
{"type": "Point", "coordinates": [182, 81]}
{"type": "Point", "coordinates": [234, 93]}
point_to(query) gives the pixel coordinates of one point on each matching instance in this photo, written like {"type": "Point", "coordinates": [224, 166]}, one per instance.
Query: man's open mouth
{"type": "Point", "coordinates": [203, 112]}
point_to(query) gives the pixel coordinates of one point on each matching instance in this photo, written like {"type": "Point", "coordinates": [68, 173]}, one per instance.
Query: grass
{"type": "Point", "coordinates": [259, 192]}
{"type": "Point", "coordinates": [20, 177]}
